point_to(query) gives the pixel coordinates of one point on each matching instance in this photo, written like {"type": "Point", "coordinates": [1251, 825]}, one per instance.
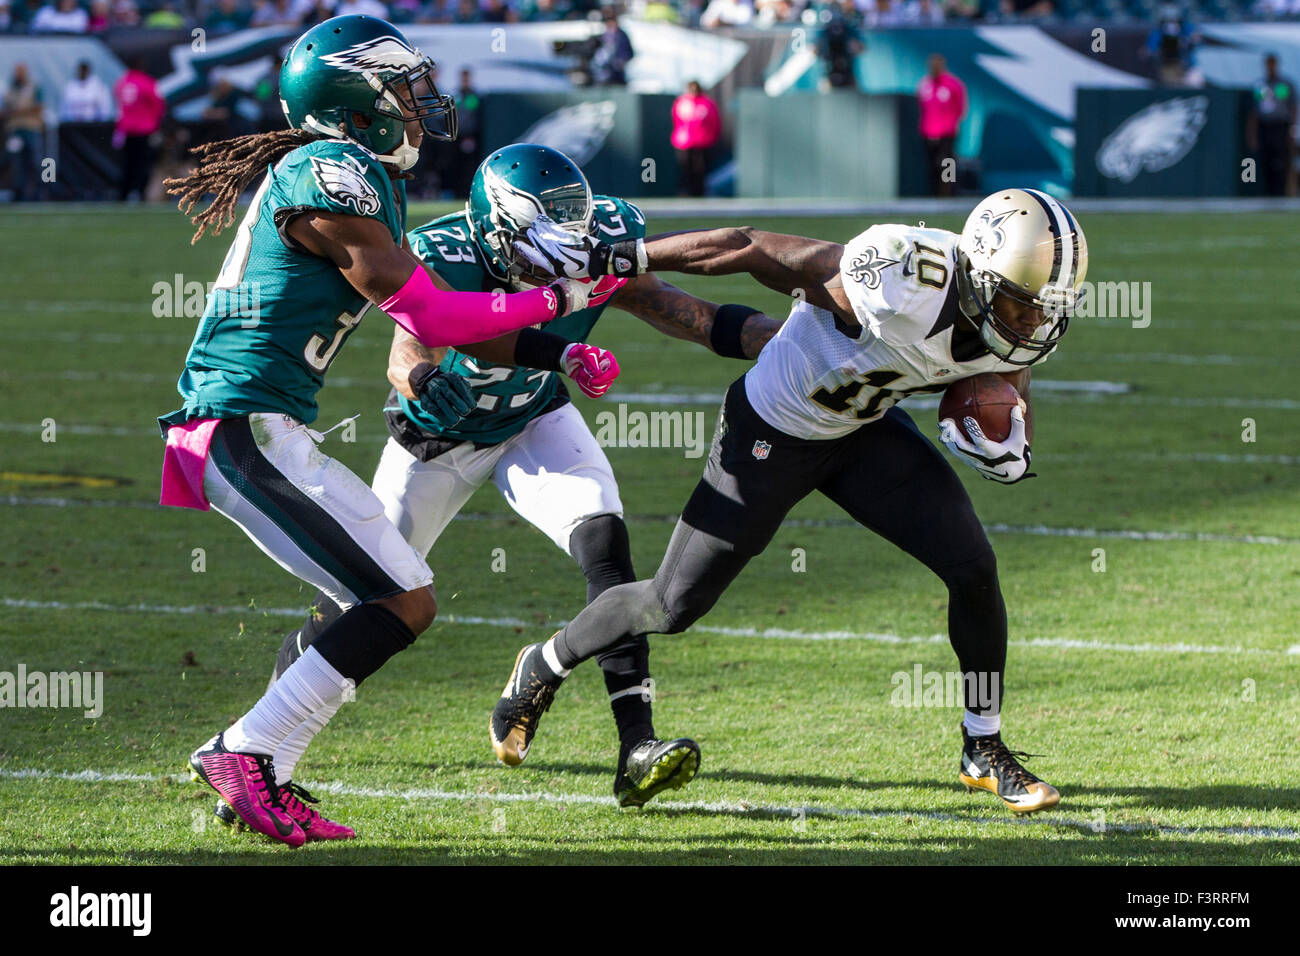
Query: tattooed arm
{"type": "Point", "coordinates": [407, 352]}
{"type": "Point", "coordinates": [794, 265]}
{"type": "Point", "coordinates": [681, 315]}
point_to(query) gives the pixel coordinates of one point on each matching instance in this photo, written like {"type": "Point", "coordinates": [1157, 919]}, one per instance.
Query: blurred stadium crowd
{"type": "Point", "coordinates": [123, 135]}
{"type": "Point", "coordinates": [220, 17]}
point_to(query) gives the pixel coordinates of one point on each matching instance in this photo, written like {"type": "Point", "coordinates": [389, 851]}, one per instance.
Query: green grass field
{"type": "Point", "coordinates": [1161, 693]}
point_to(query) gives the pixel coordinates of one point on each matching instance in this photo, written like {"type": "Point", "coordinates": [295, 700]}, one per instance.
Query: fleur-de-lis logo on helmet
{"type": "Point", "coordinates": [988, 236]}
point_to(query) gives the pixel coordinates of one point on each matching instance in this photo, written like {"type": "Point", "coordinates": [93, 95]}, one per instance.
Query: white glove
{"type": "Point", "coordinates": [557, 252]}
{"type": "Point", "coordinates": [1005, 461]}
{"type": "Point", "coordinates": [547, 250]}
{"type": "Point", "coordinates": [577, 294]}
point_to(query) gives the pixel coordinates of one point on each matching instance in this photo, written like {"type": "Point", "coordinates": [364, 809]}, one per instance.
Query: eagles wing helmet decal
{"type": "Point", "coordinates": [1153, 139]}
{"type": "Point", "coordinates": [382, 54]}
{"type": "Point", "coordinates": [512, 208]}
{"type": "Point", "coordinates": [866, 265]}
{"type": "Point", "coordinates": [345, 182]}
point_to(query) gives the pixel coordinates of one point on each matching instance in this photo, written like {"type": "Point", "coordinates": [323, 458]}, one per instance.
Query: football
{"type": "Point", "coordinates": [988, 398]}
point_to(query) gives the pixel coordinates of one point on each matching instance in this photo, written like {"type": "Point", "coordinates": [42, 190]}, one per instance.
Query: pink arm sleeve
{"type": "Point", "coordinates": [440, 318]}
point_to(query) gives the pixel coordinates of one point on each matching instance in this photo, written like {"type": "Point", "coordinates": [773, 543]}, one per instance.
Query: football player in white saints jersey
{"type": "Point", "coordinates": [898, 310]}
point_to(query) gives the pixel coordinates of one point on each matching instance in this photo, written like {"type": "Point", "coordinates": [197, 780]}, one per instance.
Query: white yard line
{"type": "Point", "coordinates": [1037, 531]}
{"type": "Point", "coordinates": [739, 808]}
{"type": "Point", "coordinates": [764, 633]}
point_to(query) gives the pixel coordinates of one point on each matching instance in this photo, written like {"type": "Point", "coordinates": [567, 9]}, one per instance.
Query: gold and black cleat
{"type": "Point", "coordinates": [987, 764]}
{"type": "Point", "coordinates": [653, 766]}
{"type": "Point", "coordinates": [527, 695]}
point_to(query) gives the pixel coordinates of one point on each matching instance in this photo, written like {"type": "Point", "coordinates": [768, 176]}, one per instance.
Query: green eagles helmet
{"type": "Point", "coordinates": [514, 186]}
{"type": "Point", "coordinates": [363, 65]}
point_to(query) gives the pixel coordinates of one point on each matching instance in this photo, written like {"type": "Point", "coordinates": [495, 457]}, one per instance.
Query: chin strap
{"type": "Point", "coordinates": [403, 157]}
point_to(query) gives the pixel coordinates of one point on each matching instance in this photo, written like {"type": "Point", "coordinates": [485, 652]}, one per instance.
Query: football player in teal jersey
{"type": "Point", "coordinates": [322, 241]}
{"type": "Point", "coordinates": [523, 433]}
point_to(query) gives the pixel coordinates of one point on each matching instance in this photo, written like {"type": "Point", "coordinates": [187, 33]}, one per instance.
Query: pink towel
{"type": "Point", "coordinates": [183, 463]}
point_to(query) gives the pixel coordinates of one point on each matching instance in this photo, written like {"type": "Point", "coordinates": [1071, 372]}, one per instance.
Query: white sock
{"type": "Point", "coordinates": [978, 726]}
{"type": "Point", "coordinates": [553, 660]}
{"type": "Point", "coordinates": [309, 685]}
{"type": "Point", "coordinates": [288, 754]}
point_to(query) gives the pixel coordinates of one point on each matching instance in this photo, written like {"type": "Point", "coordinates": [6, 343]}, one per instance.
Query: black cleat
{"type": "Point", "coordinates": [654, 766]}
{"type": "Point", "coordinates": [228, 818]}
{"type": "Point", "coordinates": [527, 695]}
{"type": "Point", "coordinates": [987, 764]}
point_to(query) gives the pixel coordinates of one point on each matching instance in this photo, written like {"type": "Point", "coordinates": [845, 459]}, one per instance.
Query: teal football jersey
{"type": "Point", "coordinates": [277, 315]}
{"type": "Point", "coordinates": [509, 397]}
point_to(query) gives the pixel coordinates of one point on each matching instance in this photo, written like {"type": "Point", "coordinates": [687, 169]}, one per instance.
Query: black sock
{"type": "Point", "coordinates": [357, 644]}
{"type": "Point", "coordinates": [601, 547]}
{"type": "Point", "coordinates": [977, 628]}
{"type": "Point", "coordinates": [324, 613]}
{"type": "Point", "coordinates": [627, 668]}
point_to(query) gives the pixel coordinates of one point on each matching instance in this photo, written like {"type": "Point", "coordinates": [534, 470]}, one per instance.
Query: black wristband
{"type": "Point", "coordinates": [623, 259]}
{"type": "Point", "coordinates": [540, 350]}
{"type": "Point", "coordinates": [419, 377]}
{"type": "Point", "coordinates": [727, 324]}
{"type": "Point", "coordinates": [561, 298]}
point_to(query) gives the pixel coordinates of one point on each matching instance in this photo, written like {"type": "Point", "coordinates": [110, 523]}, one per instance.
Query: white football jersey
{"type": "Point", "coordinates": [818, 378]}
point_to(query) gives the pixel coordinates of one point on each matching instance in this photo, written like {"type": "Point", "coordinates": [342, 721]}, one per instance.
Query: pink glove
{"type": "Point", "coordinates": [592, 369]}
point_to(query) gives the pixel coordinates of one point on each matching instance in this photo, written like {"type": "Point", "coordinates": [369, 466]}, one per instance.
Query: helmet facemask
{"type": "Point", "coordinates": [980, 290]}
{"type": "Point", "coordinates": [414, 95]}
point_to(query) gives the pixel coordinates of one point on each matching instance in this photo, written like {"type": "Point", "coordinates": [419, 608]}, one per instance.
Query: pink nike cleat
{"type": "Point", "coordinates": [295, 799]}
{"type": "Point", "coordinates": [247, 783]}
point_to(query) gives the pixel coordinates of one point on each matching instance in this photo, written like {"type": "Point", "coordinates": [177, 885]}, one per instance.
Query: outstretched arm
{"type": "Point", "coordinates": [392, 278]}
{"type": "Point", "coordinates": [683, 316]}
{"type": "Point", "coordinates": [794, 265]}
{"type": "Point", "coordinates": [805, 268]}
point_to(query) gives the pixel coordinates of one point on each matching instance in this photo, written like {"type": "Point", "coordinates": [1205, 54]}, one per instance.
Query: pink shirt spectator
{"type": "Point", "coordinates": [696, 123]}
{"type": "Point", "coordinates": [943, 103]}
{"type": "Point", "coordinates": [140, 107]}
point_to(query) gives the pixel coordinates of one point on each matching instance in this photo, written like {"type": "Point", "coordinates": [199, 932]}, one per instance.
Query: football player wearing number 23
{"type": "Point", "coordinates": [896, 311]}
{"type": "Point", "coordinates": [523, 434]}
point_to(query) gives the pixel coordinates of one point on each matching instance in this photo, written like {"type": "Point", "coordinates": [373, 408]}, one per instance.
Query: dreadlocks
{"type": "Point", "coordinates": [225, 170]}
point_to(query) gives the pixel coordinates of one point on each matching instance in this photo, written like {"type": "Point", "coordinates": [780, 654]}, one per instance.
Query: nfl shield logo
{"type": "Point", "coordinates": [762, 449]}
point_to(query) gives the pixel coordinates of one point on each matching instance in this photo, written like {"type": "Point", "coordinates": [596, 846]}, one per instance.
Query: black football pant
{"type": "Point", "coordinates": [886, 475]}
